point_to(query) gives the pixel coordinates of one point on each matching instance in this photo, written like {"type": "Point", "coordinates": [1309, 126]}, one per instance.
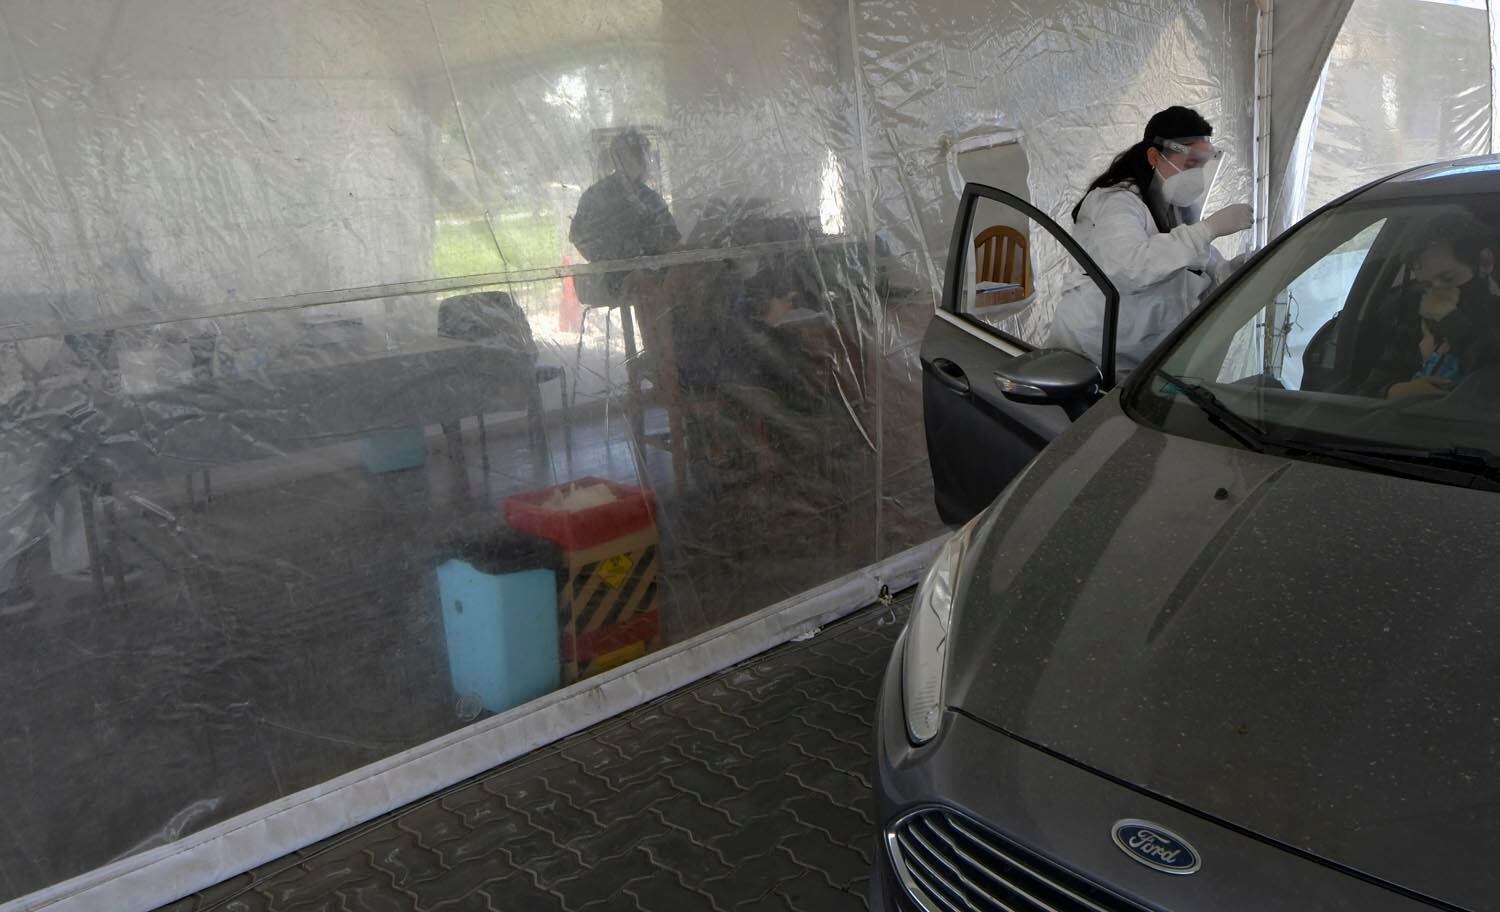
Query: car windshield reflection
{"type": "Point", "coordinates": [1373, 331]}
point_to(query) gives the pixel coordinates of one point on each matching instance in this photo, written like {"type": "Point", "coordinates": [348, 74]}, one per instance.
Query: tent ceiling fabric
{"type": "Point", "coordinates": [328, 39]}
{"type": "Point", "coordinates": [1303, 33]}
{"type": "Point", "coordinates": [1383, 106]}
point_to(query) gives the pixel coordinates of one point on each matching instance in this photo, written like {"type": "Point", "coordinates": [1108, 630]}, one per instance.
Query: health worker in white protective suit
{"type": "Point", "coordinates": [1141, 222]}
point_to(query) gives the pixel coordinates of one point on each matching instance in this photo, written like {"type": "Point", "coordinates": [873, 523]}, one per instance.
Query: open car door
{"type": "Point", "coordinates": [993, 394]}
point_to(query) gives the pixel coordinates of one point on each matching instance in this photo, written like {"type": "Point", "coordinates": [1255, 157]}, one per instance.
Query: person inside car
{"type": "Point", "coordinates": [1444, 342]}
{"type": "Point", "coordinates": [1449, 281]}
{"type": "Point", "coordinates": [1141, 222]}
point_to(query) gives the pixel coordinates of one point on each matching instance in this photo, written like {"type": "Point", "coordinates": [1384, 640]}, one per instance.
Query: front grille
{"type": "Point", "coordinates": [948, 863]}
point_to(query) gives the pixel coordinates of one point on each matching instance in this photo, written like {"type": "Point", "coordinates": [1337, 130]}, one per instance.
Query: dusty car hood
{"type": "Point", "coordinates": [1308, 652]}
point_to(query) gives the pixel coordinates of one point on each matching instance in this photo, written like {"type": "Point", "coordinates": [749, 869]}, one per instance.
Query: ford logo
{"type": "Point", "coordinates": [1156, 847]}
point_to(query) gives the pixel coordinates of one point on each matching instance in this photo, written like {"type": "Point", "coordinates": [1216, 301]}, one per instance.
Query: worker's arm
{"type": "Point", "coordinates": [1126, 244]}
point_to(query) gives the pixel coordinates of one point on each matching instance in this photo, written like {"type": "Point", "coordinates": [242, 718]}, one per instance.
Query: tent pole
{"type": "Point", "coordinates": [1489, 7]}
{"type": "Point", "coordinates": [1264, 39]}
{"type": "Point", "coordinates": [1261, 165]}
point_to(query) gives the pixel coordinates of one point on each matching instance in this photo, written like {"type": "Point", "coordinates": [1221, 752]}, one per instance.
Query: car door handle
{"type": "Point", "coordinates": [951, 375]}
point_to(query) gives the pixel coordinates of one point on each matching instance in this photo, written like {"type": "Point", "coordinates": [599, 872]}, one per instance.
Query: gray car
{"type": "Point", "coordinates": [1232, 639]}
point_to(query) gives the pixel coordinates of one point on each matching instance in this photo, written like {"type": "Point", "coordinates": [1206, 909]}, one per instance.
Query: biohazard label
{"type": "Point", "coordinates": [616, 570]}
{"type": "Point", "coordinates": [612, 590]}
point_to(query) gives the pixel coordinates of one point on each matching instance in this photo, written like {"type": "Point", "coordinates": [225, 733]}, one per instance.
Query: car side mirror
{"type": "Point", "coordinates": [1051, 377]}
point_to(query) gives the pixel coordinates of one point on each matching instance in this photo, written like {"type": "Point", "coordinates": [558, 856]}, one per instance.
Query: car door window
{"type": "Point", "coordinates": [1014, 270]}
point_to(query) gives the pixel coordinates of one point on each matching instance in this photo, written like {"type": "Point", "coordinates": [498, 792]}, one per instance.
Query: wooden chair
{"type": "Point", "coordinates": [1001, 255]}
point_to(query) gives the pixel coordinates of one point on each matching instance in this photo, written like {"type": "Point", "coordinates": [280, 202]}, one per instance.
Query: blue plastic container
{"type": "Point", "coordinates": [393, 451]}
{"type": "Point", "coordinates": [501, 626]}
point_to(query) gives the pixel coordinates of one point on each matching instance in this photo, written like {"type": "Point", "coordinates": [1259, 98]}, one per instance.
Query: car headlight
{"type": "Point", "coordinates": [924, 664]}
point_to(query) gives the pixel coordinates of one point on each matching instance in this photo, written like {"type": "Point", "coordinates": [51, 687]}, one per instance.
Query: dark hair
{"type": "Point", "coordinates": [629, 142]}
{"type": "Point", "coordinates": [1480, 353]}
{"type": "Point", "coordinates": [1467, 338]}
{"type": "Point", "coordinates": [1461, 233]}
{"type": "Point", "coordinates": [1456, 329]}
{"type": "Point", "coordinates": [1132, 166]}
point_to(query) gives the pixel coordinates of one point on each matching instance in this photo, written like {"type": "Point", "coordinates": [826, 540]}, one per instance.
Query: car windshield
{"type": "Point", "coordinates": [1371, 335]}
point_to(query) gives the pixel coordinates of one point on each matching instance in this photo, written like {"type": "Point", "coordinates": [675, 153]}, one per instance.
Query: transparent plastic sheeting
{"type": "Point", "coordinates": [1407, 82]}
{"type": "Point", "coordinates": [297, 311]}
{"type": "Point", "coordinates": [1303, 32]}
{"type": "Point", "coordinates": [1076, 81]}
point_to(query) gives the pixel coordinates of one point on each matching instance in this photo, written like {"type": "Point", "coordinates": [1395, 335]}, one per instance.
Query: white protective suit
{"type": "Point", "coordinates": [1161, 276]}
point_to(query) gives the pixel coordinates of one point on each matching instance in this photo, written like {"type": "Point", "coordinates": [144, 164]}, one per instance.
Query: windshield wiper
{"type": "Point", "coordinates": [1247, 432]}
{"type": "Point", "coordinates": [1477, 466]}
{"type": "Point", "coordinates": [1474, 463]}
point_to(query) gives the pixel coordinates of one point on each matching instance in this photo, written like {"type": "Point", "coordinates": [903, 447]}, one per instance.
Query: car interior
{"type": "Point", "coordinates": [1389, 275]}
{"type": "Point", "coordinates": [1333, 384]}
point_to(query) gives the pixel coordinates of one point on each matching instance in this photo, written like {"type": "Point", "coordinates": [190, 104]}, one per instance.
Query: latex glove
{"type": "Point", "coordinates": [1222, 270]}
{"type": "Point", "coordinates": [1230, 220]}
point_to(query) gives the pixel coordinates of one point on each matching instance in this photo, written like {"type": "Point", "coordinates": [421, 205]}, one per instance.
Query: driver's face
{"type": "Point", "coordinates": [1438, 267]}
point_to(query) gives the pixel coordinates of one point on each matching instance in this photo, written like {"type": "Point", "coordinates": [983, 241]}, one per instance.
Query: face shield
{"type": "Point", "coordinates": [1186, 174]}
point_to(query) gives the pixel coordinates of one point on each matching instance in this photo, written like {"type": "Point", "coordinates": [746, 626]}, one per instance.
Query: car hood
{"type": "Point", "coordinates": [1305, 651]}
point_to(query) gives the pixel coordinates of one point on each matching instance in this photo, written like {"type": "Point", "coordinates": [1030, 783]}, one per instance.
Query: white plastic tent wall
{"type": "Point", "coordinates": [254, 172]}
{"type": "Point", "coordinates": [1304, 34]}
{"type": "Point", "coordinates": [1393, 83]}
